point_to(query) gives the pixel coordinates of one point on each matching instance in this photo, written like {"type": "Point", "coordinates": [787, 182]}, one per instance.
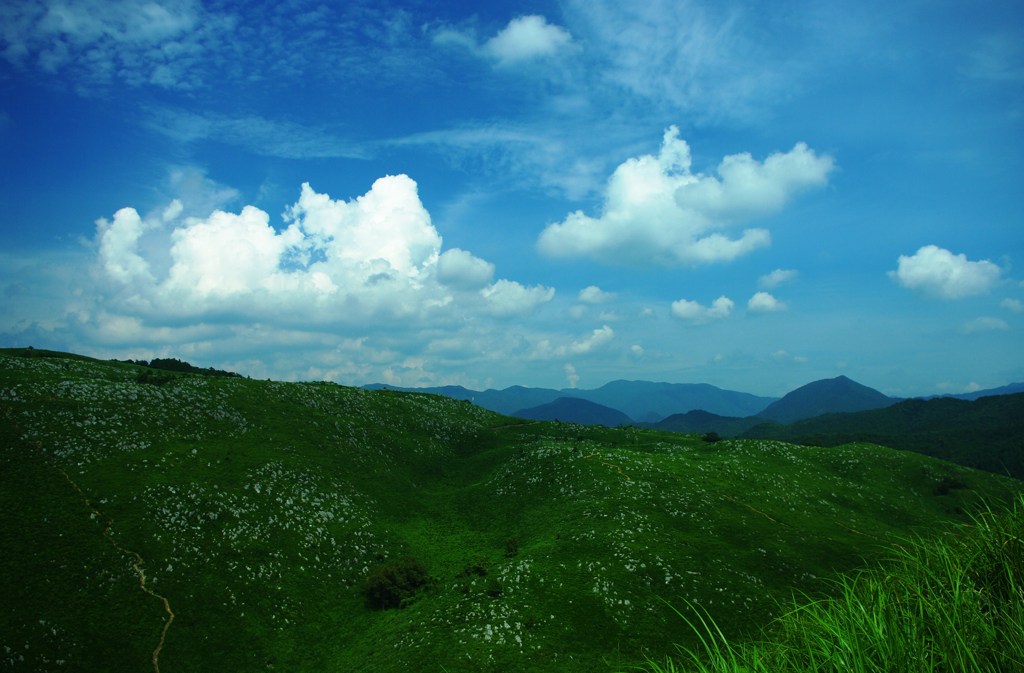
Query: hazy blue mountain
{"type": "Point", "coordinates": [576, 410]}
{"type": "Point", "coordinates": [840, 394]}
{"type": "Point", "coordinates": [1010, 389]}
{"type": "Point", "coordinates": [647, 401]}
{"type": "Point", "coordinates": [639, 400]}
{"type": "Point", "coordinates": [701, 422]}
{"type": "Point", "coordinates": [986, 433]}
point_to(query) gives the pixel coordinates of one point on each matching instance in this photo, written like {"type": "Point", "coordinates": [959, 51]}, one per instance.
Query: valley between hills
{"type": "Point", "coordinates": [180, 521]}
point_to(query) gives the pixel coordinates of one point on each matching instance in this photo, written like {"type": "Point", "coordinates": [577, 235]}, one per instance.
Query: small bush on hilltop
{"type": "Point", "coordinates": [394, 584]}
{"type": "Point", "coordinates": [937, 606]}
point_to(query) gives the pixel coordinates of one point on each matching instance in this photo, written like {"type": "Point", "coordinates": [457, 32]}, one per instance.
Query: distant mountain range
{"type": "Point", "coordinates": [1010, 389]}
{"type": "Point", "coordinates": [682, 407]}
{"type": "Point", "coordinates": [638, 400]}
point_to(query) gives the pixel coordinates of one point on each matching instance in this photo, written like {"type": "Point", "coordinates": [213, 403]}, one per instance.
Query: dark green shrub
{"type": "Point", "coordinates": [478, 567]}
{"type": "Point", "coordinates": [711, 437]}
{"type": "Point", "coordinates": [511, 547]}
{"type": "Point", "coordinates": [394, 584]}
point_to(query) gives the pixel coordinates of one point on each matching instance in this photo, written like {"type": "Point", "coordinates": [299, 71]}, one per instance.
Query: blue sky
{"type": "Point", "coordinates": [753, 195]}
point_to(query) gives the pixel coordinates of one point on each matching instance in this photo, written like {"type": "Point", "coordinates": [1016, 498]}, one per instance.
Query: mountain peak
{"type": "Point", "coordinates": [839, 394]}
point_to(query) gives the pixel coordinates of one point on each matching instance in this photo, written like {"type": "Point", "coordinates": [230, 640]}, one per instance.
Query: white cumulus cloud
{"type": "Point", "coordinates": [936, 271]}
{"type": "Point", "coordinates": [526, 38]}
{"type": "Point", "coordinates": [777, 277]}
{"type": "Point", "coordinates": [985, 324]}
{"type": "Point", "coordinates": [331, 262]}
{"type": "Point", "coordinates": [118, 246]}
{"type": "Point", "coordinates": [461, 269]}
{"type": "Point", "coordinates": [698, 313]}
{"type": "Point", "coordinates": [509, 298]}
{"type": "Point", "coordinates": [592, 294]}
{"type": "Point", "coordinates": [764, 302]}
{"type": "Point", "coordinates": [597, 339]}
{"type": "Point", "coordinates": [656, 210]}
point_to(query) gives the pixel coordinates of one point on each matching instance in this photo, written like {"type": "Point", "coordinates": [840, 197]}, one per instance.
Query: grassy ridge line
{"type": "Point", "coordinates": [950, 604]}
{"type": "Point", "coordinates": [260, 507]}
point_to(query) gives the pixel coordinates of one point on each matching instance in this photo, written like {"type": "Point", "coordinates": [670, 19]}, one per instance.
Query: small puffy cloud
{"type": "Point", "coordinates": [764, 302]}
{"type": "Point", "coordinates": [526, 38]}
{"type": "Point", "coordinates": [508, 298]}
{"type": "Point", "coordinates": [785, 356]}
{"type": "Point", "coordinates": [777, 277]}
{"type": "Point", "coordinates": [985, 324]}
{"type": "Point", "coordinates": [656, 210]}
{"type": "Point", "coordinates": [1014, 305]}
{"type": "Point", "coordinates": [698, 313]}
{"type": "Point", "coordinates": [599, 337]}
{"type": "Point", "coordinates": [571, 377]}
{"type": "Point", "coordinates": [592, 342]}
{"type": "Point", "coordinates": [636, 350]}
{"type": "Point", "coordinates": [460, 269]}
{"type": "Point", "coordinates": [592, 294]}
{"type": "Point", "coordinates": [936, 271]}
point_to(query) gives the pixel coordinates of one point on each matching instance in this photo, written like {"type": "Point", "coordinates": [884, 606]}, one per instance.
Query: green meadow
{"type": "Point", "coordinates": [181, 522]}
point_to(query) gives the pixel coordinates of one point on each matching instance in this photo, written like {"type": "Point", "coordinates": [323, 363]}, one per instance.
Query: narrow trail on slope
{"type": "Point", "coordinates": [137, 561]}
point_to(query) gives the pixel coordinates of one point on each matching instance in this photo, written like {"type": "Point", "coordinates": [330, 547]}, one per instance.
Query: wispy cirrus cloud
{"type": "Point", "coordinates": [684, 56]}
{"type": "Point", "coordinates": [98, 44]}
{"type": "Point", "coordinates": [260, 135]}
{"type": "Point", "coordinates": [539, 153]}
{"type": "Point", "coordinates": [188, 45]}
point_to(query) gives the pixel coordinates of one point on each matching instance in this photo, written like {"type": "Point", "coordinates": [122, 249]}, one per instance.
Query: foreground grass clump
{"type": "Point", "coordinates": [943, 605]}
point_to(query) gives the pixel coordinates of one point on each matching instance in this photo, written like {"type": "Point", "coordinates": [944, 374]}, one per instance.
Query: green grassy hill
{"type": "Point", "coordinates": [987, 433]}
{"type": "Point", "coordinates": [255, 511]}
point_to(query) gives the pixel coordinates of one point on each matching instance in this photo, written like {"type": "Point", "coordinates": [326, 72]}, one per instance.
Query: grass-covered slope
{"type": "Point", "coordinates": [934, 605]}
{"type": "Point", "coordinates": [254, 512]}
